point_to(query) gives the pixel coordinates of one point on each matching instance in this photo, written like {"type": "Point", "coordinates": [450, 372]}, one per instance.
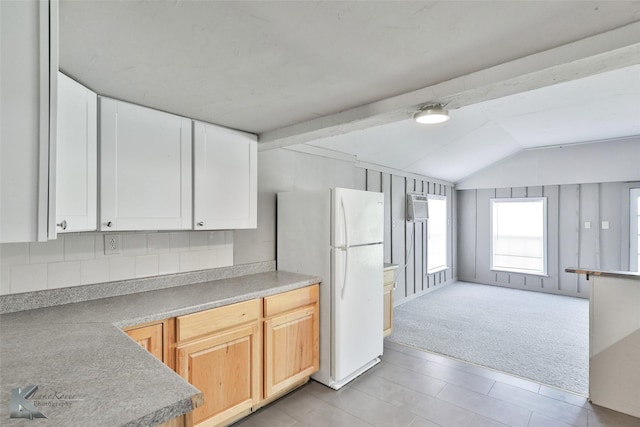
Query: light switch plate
{"type": "Point", "coordinates": [112, 244]}
{"type": "Point", "coordinates": [605, 225]}
{"type": "Point", "coordinates": [587, 225]}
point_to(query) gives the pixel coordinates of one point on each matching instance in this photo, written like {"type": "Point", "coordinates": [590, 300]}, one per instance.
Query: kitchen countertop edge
{"type": "Point", "coordinates": [604, 273]}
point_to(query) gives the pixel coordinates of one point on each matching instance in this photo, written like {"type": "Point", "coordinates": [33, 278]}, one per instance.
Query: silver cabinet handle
{"type": "Point", "coordinates": [109, 224]}
{"type": "Point", "coordinates": [395, 285]}
{"type": "Point", "coordinates": [201, 224]}
{"type": "Point", "coordinates": [63, 224]}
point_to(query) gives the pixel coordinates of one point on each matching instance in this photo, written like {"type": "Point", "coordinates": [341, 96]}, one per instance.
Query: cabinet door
{"type": "Point", "coordinates": [225, 367]}
{"type": "Point", "coordinates": [28, 74]}
{"type": "Point", "coordinates": [388, 310]}
{"type": "Point", "coordinates": [389, 284]}
{"type": "Point", "coordinates": [291, 348]}
{"type": "Point", "coordinates": [225, 171]}
{"type": "Point", "coordinates": [150, 338]}
{"type": "Point", "coordinates": [77, 161]}
{"type": "Point", "coordinates": [145, 176]}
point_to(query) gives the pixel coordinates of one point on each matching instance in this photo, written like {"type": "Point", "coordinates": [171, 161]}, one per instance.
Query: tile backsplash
{"type": "Point", "coordinates": [75, 259]}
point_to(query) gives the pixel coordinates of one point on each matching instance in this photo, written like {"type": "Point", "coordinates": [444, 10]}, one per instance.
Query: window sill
{"type": "Point", "coordinates": [437, 270]}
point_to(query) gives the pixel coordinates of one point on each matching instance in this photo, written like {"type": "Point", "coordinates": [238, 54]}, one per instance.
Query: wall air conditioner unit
{"type": "Point", "coordinates": [417, 207]}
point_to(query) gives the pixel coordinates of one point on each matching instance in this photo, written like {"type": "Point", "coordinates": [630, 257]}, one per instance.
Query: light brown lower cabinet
{"type": "Point", "coordinates": [240, 356]}
{"type": "Point", "coordinates": [157, 338]}
{"type": "Point", "coordinates": [225, 368]}
{"type": "Point", "coordinates": [150, 338]}
{"type": "Point", "coordinates": [219, 352]}
{"type": "Point", "coordinates": [291, 339]}
{"type": "Point", "coordinates": [389, 284]}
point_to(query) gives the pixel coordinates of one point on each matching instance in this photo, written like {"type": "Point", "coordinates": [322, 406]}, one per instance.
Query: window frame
{"type": "Point", "coordinates": [634, 243]}
{"type": "Point", "coordinates": [545, 232]}
{"type": "Point", "coordinates": [446, 236]}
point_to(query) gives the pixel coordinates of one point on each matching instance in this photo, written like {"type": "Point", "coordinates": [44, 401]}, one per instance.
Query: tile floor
{"type": "Point", "coordinates": [411, 388]}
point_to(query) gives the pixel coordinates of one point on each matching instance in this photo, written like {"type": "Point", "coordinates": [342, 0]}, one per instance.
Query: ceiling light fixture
{"type": "Point", "coordinates": [431, 114]}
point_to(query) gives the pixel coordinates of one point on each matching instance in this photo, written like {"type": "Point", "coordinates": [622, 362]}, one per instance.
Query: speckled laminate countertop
{"type": "Point", "coordinates": [89, 372]}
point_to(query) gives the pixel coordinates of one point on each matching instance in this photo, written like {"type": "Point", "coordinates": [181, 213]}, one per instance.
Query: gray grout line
{"type": "Point", "coordinates": [492, 385]}
{"type": "Point", "coordinates": [530, 418]}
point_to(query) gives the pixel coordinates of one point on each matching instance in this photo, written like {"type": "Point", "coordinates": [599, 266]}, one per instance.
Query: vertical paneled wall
{"type": "Point", "coordinates": [575, 236]}
{"type": "Point", "coordinates": [406, 242]}
{"type": "Point", "coordinates": [290, 170]}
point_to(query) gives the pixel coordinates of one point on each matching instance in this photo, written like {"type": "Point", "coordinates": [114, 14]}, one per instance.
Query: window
{"type": "Point", "coordinates": [635, 229]}
{"type": "Point", "coordinates": [437, 234]}
{"type": "Point", "coordinates": [519, 235]}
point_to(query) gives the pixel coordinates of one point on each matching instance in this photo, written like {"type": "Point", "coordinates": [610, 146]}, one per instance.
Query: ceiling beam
{"type": "Point", "coordinates": [608, 51]}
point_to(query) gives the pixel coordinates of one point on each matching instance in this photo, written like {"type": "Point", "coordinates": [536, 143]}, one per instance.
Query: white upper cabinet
{"type": "Point", "coordinates": [145, 168]}
{"type": "Point", "coordinates": [77, 161]}
{"type": "Point", "coordinates": [225, 178]}
{"type": "Point", "coordinates": [28, 73]}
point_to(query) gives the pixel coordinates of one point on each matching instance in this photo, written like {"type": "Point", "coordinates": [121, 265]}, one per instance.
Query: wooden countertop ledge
{"type": "Point", "coordinates": [612, 273]}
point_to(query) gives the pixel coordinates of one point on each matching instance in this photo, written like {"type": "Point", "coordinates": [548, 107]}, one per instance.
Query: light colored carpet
{"type": "Point", "coordinates": [533, 335]}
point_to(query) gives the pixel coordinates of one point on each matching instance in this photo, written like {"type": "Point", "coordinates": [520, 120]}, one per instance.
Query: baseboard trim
{"type": "Point", "coordinates": [423, 292]}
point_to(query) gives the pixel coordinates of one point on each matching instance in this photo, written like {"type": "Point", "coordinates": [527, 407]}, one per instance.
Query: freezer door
{"type": "Point", "coordinates": [358, 217]}
{"type": "Point", "coordinates": [357, 308]}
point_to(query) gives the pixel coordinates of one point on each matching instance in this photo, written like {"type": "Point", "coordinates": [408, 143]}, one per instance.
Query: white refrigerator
{"type": "Point", "coordinates": [338, 234]}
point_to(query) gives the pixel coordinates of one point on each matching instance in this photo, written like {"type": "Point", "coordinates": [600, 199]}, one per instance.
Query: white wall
{"type": "Point", "coordinates": [78, 258]}
{"type": "Point", "coordinates": [286, 170]}
{"type": "Point", "coordinates": [583, 183]}
{"type": "Point", "coordinates": [604, 161]}
{"type": "Point", "coordinates": [306, 168]}
{"type": "Point", "coordinates": [569, 243]}
{"type": "Point", "coordinates": [406, 242]}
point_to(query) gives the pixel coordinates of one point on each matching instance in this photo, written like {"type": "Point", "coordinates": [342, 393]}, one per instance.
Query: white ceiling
{"type": "Point", "coordinates": [599, 107]}
{"type": "Point", "coordinates": [263, 66]}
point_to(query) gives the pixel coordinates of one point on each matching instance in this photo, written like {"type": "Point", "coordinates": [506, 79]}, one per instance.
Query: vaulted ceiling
{"type": "Point", "coordinates": [600, 107]}
{"type": "Point", "coordinates": [348, 75]}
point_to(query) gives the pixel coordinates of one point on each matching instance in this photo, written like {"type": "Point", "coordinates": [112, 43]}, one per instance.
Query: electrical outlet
{"type": "Point", "coordinates": [112, 244]}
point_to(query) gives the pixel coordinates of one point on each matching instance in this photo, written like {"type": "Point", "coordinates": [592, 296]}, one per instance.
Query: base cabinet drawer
{"type": "Point", "coordinates": [206, 322]}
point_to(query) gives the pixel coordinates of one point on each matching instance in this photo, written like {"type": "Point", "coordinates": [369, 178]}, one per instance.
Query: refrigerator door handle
{"type": "Point", "coordinates": [346, 248]}
{"type": "Point", "coordinates": [345, 223]}
{"type": "Point", "coordinates": [344, 280]}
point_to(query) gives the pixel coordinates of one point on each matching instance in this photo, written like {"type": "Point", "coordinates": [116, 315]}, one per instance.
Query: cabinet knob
{"type": "Point", "coordinates": [63, 224]}
{"type": "Point", "coordinates": [109, 223]}
{"type": "Point", "coordinates": [201, 224]}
